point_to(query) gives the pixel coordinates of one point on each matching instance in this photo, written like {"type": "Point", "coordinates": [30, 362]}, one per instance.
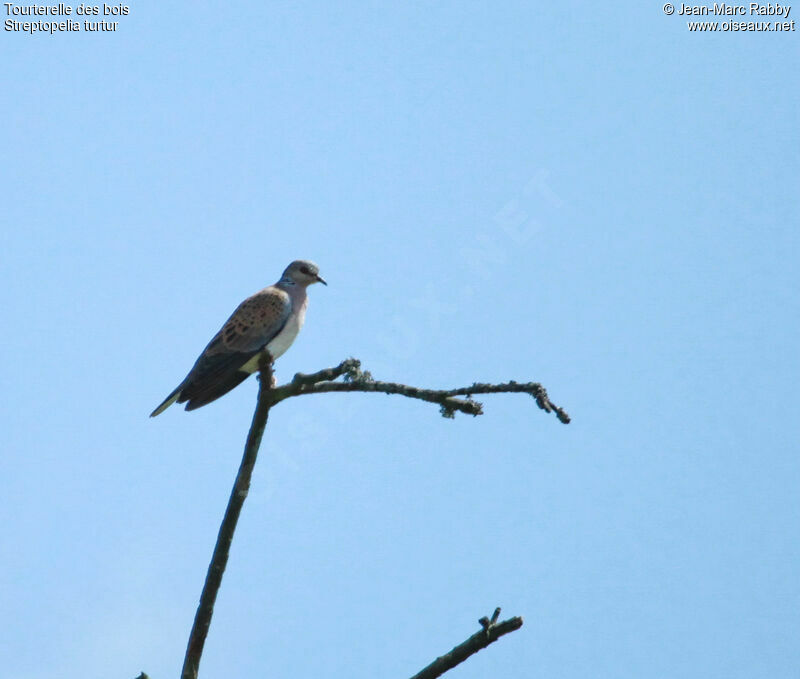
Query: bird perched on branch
{"type": "Point", "coordinates": [266, 322]}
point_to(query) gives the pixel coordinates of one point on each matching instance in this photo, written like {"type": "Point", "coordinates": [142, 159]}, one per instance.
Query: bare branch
{"type": "Point", "coordinates": [219, 559]}
{"type": "Point", "coordinates": [322, 381]}
{"type": "Point", "coordinates": [491, 632]}
{"type": "Point", "coordinates": [356, 380]}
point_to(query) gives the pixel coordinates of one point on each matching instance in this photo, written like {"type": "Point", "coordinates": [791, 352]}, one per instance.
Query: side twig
{"type": "Point", "coordinates": [355, 379]}
{"type": "Point", "coordinates": [491, 632]}
{"type": "Point", "coordinates": [219, 559]}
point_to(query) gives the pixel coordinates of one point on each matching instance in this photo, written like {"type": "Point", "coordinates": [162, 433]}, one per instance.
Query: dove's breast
{"type": "Point", "coordinates": [289, 332]}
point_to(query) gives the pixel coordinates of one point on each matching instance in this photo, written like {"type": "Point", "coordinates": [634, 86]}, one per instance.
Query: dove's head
{"type": "Point", "coordinates": [303, 272]}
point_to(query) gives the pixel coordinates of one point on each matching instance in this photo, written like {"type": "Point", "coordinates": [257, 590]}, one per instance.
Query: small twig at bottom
{"type": "Point", "coordinates": [491, 632]}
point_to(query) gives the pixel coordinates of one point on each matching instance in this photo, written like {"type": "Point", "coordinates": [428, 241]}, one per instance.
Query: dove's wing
{"type": "Point", "coordinates": [254, 324]}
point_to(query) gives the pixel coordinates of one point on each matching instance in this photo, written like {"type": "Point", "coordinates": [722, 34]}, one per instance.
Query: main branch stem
{"type": "Point", "coordinates": [202, 619]}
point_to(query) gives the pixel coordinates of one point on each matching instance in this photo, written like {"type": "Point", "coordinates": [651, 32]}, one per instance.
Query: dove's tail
{"type": "Point", "coordinates": [167, 402]}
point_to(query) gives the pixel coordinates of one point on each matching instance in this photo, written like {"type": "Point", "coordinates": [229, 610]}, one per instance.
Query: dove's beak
{"type": "Point", "coordinates": [320, 279]}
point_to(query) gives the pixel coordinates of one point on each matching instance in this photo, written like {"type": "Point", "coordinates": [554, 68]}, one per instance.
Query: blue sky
{"type": "Point", "coordinates": [587, 196]}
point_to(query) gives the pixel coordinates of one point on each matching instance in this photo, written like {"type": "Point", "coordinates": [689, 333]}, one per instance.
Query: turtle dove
{"type": "Point", "coordinates": [266, 322]}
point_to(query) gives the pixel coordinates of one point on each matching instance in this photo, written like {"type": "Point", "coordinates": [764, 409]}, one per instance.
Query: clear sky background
{"type": "Point", "coordinates": [589, 196]}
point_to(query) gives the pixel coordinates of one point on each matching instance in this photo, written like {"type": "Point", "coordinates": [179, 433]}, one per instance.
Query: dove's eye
{"type": "Point", "coordinates": [304, 269]}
